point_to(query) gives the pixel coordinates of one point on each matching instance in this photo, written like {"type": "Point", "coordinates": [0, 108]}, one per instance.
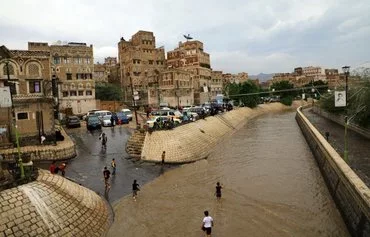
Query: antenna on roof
{"type": "Point", "coordinates": [188, 37]}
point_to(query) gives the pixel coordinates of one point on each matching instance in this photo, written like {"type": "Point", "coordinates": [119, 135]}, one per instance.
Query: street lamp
{"type": "Point", "coordinates": [346, 73]}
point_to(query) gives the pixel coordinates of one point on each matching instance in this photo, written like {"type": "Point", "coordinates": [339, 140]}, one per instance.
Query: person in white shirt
{"type": "Point", "coordinates": [207, 224]}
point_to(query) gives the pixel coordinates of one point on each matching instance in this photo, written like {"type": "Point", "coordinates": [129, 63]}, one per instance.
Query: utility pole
{"type": "Point", "coordinates": [133, 99]}
{"type": "Point", "coordinates": [346, 73]}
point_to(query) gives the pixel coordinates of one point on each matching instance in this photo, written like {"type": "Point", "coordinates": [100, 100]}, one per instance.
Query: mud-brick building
{"type": "Point", "coordinates": [172, 87]}
{"type": "Point", "coordinates": [27, 74]}
{"type": "Point", "coordinates": [190, 56]}
{"type": "Point", "coordinates": [139, 59]}
{"type": "Point", "coordinates": [73, 64]}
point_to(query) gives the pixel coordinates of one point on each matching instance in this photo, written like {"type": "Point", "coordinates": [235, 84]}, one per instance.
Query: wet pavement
{"type": "Point", "coordinates": [358, 145]}
{"type": "Point", "coordinates": [271, 187]}
{"type": "Point", "coordinates": [87, 168]}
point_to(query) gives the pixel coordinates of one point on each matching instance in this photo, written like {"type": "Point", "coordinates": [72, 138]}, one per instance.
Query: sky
{"type": "Point", "coordinates": [240, 35]}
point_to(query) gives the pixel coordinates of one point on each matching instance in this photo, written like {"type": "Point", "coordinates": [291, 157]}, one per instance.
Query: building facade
{"type": "Point", "coordinates": [191, 57]}
{"type": "Point", "coordinates": [174, 88]}
{"type": "Point", "coordinates": [216, 84]}
{"type": "Point", "coordinates": [73, 65]}
{"type": "Point", "coordinates": [316, 73]}
{"type": "Point", "coordinates": [28, 74]}
{"type": "Point", "coordinates": [139, 59]}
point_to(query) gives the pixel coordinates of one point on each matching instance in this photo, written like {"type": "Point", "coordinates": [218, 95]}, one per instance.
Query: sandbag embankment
{"type": "Point", "coordinates": [194, 141]}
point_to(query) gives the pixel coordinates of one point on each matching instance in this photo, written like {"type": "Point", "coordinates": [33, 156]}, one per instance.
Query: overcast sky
{"type": "Point", "coordinates": [241, 35]}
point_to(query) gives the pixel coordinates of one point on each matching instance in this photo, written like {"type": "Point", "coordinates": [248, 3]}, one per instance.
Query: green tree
{"type": "Point", "coordinates": [286, 97]}
{"type": "Point", "coordinates": [247, 88]}
{"type": "Point", "coordinates": [106, 91]}
{"type": "Point", "coordinates": [358, 104]}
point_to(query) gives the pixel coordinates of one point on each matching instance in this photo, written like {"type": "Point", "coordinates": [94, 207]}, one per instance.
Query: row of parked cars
{"type": "Point", "coordinates": [95, 119]}
{"type": "Point", "coordinates": [168, 118]}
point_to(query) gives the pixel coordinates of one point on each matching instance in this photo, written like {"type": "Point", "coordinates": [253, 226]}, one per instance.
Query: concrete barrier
{"type": "Point", "coordinates": [349, 192]}
{"type": "Point", "coordinates": [194, 141]}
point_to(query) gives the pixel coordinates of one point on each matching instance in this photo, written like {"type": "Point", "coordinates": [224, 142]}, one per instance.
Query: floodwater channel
{"type": "Point", "coordinates": [271, 187]}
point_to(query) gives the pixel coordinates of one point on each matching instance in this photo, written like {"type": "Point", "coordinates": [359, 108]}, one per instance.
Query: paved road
{"type": "Point", "coordinates": [358, 146]}
{"type": "Point", "coordinates": [87, 168]}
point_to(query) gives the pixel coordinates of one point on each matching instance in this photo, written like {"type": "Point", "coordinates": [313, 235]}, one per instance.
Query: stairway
{"type": "Point", "coordinates": [135, 144]}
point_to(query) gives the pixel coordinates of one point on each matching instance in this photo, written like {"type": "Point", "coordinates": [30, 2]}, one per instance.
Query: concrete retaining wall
{"type": "Point", "coordinates": [194, 141]}
{"type": "Point", "coordinates": [63, 150]}
{"type": "Point", "coordinates": [53, 206]}
{"type": "Point", "coordinates": [350, 194]}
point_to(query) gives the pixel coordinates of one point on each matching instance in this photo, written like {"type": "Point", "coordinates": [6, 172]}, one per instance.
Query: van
{"type": "Point", "coordinates": [102, 113]}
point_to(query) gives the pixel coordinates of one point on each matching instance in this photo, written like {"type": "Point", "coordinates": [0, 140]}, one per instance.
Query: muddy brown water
{"type": "Point", "coordinates": [272, 187]}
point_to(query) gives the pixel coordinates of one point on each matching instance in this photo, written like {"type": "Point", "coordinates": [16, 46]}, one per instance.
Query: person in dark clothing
{"type": "Point", "coordinates": [135, 188]}
{"type": "Point", "coordinates": [106, 174]}
{"type": "Point", "coordinates": [112, 120]}
{"type": "Point", "coordinates": [218, 191]}
{"type": "Point", "coordinates": [104, 140]}
{"type": "Point", "coordinates": [61, 168]}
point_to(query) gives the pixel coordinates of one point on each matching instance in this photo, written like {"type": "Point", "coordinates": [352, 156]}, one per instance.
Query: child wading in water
{"type": "Point", "coordinates": [218, 191]}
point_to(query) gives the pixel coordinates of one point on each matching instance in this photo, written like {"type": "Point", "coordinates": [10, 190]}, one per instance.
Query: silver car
{"type": "Point", "coordinates": [106, 121]}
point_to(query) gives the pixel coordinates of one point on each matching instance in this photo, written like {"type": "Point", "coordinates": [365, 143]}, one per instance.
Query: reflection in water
{"type": "Point", "coordinates": [272, 187]}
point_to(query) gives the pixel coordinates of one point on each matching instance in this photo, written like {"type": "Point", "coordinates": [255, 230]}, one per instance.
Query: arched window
{"type": "Point", "coordinates": [34, 70]}
{"type": "Point", "coordinates": [80, 86]}
{"type": "Point", "coordinates": [88, 86]}
{"type": "Point", "coordinates": [72, 86]}
{"type": "Point", "coordinates": [8, 67]}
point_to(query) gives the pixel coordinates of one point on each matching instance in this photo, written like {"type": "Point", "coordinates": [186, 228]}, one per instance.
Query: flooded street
{"type": "Point", "coordinates": [272, 187]}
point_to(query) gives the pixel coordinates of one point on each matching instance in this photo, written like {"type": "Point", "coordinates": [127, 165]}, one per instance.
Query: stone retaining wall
{"type": "Point", "coordinates": [349, 192]}
{"type": "Point", "coordinates": [194, 141]}
{"type": "Point", "coordinates": [63, 150]}
{"type": "Point", "coordinates": [53, 206]}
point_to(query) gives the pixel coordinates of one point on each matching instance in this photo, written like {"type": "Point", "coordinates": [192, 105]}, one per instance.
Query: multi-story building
{"type": "Point", "coordinates": [316, 73]}
{"type": "Point", "coordinates": [139, 59]}
{"type": "Point", "coordinates": [191, 57]}
{"type": "Point", "coordinates": [110, 61]}
{"type": "Point", "coordinates": [171, 87]}
{"type": "Point", "coordinates": [28, 74]}
{"type": "Point", "coordinates": [107, 72]}
{"type": "Point", "coordinates": [332, 77]}
{"type": "Point", "coordinates": [101, 73]}
{"type": "Point", "coordinates": [73, 64]}
{"type": "Point", "coordinates": [216, 84]}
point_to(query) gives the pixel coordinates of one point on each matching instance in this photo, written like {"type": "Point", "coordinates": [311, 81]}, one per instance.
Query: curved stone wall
{"type": "Point", "coordinates": [52, 206]}
{"type": "Point", "coordinates": [63, 150]}
{"type": "Point", "coordinates": [194, 141]}
{"type": "Point", "coordinates": [350, 194]}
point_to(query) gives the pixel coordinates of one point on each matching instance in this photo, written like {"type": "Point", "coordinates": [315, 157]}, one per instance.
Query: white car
{"type": "Point", "coordinates": [128, 113]}
{"type": "Point", "coordinates": [105, 121]}
{"type": "Point", "coordinates": [150, 122]}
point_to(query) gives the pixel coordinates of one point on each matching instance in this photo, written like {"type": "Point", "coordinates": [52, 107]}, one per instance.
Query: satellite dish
{"type": "Point", "coordinates": [188, 37]}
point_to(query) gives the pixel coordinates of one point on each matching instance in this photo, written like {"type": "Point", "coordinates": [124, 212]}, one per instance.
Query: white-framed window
{"type": "Point", "coordinates": [34, 86]}
{"type": "Point", "coordinates": [65, 93]}
{"type": "Point", "coordinates": [88, 93]}
{"type": "Point", "coordinates": [80, 93]}
{"type": "Point", "coordinates": [87, 60]}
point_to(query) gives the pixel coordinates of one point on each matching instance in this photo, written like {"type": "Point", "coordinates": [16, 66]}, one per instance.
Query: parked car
{"type": "Point", "coordinates": [73, 121]}
{"type": "Point", "coordinates": [91, 112]}
{"type": "Point", "coordinates": [192, 116]}
{"type": "Point", "coordinates": [122, 118]}
{"type": "Point", "coordinates": [93, 122]}
{"type": "Point", "coordinates": [128, 113]}
{"type": "Point", "coordinates": [106, 121]}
